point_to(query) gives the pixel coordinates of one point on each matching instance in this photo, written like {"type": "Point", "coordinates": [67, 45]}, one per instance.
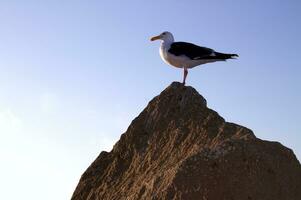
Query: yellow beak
{"type": "Point", "coordinates": [156, 38]}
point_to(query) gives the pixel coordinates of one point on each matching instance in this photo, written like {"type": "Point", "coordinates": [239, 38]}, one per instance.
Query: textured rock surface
{"type": "Point", "coordinates": [177, 148]}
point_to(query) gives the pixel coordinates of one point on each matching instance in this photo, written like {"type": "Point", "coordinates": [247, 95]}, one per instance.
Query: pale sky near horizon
{"type": "Point", "coordinates": [75, 73]}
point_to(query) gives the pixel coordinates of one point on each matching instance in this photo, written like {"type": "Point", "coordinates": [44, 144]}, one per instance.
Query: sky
{"type": "Point", "coordinates": [73, 75]}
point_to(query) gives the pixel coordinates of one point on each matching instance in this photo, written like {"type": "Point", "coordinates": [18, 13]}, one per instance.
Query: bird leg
{"type": "Point", "coordinates": [185, 75]}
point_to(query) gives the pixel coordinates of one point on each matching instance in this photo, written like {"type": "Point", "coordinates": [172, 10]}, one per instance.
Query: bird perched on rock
{"type": "Point", "coordinates": [186, 55]}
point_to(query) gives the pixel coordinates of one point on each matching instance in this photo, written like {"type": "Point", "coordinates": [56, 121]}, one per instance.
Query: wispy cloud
{"type": "Point", "coordinates": [9, 121]}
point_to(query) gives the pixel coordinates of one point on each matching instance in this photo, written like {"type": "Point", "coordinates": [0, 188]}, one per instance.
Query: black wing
{"type": "Point", "coordinates": [190, 50]}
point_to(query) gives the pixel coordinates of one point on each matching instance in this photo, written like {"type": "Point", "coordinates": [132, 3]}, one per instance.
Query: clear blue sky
{"type": "Point", "coordinates": [75, 73]}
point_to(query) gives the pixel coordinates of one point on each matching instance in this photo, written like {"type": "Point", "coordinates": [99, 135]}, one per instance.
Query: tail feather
{"type": "Point", "coordinates": [225, 56]}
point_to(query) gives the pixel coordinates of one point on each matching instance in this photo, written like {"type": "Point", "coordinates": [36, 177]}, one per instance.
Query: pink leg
{"type": "Point", "coordinates": [185, 75]}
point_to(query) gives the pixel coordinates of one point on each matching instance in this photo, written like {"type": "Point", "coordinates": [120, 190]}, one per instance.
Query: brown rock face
{"type": "Point", "coordinates": [177, 148]}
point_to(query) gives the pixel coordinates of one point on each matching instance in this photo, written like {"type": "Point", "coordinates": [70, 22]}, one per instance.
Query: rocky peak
{"type": "Point", "coordinates": [177, 148]}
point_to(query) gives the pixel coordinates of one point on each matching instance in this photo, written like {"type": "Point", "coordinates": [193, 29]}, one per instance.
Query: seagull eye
{"type": "Point", "coordinates": [163, 33]}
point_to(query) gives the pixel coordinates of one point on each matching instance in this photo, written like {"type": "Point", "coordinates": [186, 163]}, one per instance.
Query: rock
{"type": "Point", "coordinates": [179, 149]}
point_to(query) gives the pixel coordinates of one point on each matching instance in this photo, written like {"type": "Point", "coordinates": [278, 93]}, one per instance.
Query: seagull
{"type": "Point", "coordinates": [186, 55]}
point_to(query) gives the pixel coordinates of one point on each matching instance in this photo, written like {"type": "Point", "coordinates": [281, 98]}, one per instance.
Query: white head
{"type": "Point", "coordinates": [165, 37]}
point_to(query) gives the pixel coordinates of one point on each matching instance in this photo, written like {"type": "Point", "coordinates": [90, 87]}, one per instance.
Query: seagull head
{"type": "Point", "coordinates": [165, 36]}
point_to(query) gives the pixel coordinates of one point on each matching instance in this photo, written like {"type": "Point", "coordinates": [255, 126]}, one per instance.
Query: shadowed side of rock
{"type": "Point", "coordinates": [177, 148]}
